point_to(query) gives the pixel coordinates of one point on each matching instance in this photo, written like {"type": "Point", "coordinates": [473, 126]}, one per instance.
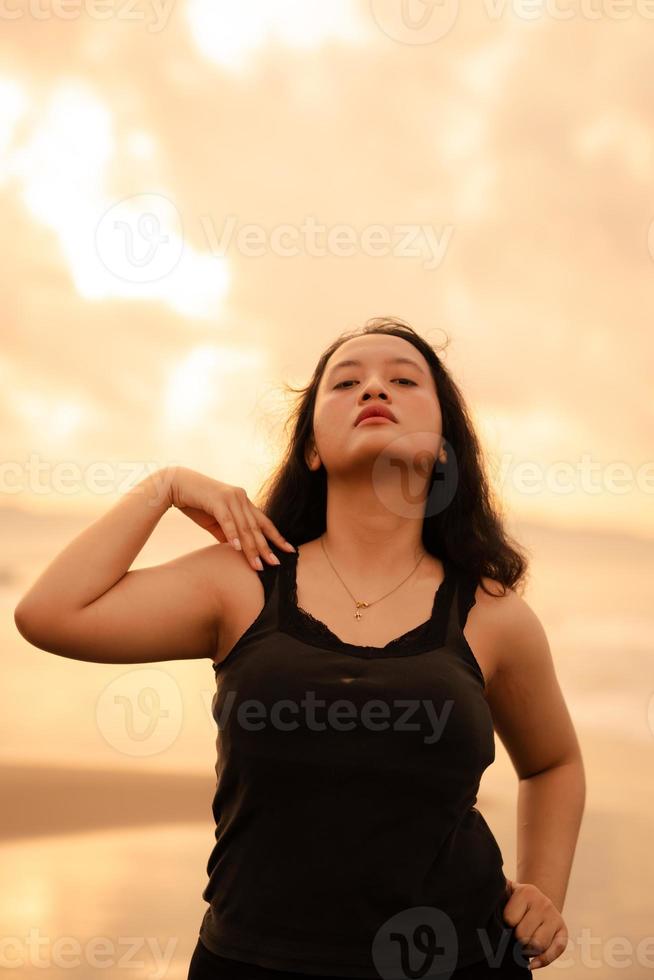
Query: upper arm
{"type": "Point", "coordinates": [170, 611]}
{"type": "Point", "coordinates": [529, 712]}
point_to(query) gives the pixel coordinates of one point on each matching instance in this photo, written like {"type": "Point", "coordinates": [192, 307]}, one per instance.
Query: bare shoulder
{"type": "Point", "coordinates": [209, 567]}
{"type": "Point", "coordinates": [484, 625]}
{"type": "Point", "coordinates": [222, 570]}
{"type": "Point", "coordinates": [528, 708]}
{"type": "Point", "coordinates": [239, 594]}
{"type": "Point", "coordinates": [512, 632]}
{"type": "Point", "coordinates": [225, 578]}
{"type": "Point", "coordinates": [514, 626]}
{"type": "Point", "coordinates": [501, 606]}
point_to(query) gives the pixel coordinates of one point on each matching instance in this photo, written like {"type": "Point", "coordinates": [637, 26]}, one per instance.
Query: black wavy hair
{"type": "Point", "coordinates": [467, 527]}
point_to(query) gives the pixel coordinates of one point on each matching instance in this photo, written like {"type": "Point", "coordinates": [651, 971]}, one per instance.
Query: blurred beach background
{"type": "Point", "coordinates": [485, 173]}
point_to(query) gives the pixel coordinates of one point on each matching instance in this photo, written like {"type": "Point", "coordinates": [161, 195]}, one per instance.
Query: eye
{"type": "Point", "coordinates": [341, 383]}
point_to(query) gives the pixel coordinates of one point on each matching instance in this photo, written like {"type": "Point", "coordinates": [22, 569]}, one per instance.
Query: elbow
{"type": "Point", "coordinates": [23, 619]}
{"type": "Point", "coordinates": [45, 630]}
{"type": "Point", "coordinates": [30, 624]}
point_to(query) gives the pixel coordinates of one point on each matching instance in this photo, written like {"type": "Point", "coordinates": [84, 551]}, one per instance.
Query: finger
{"type": "Point", "coordinates": [553, 951]}
{"type": "Point", "coordinates": [519, 908]}
{"type": "Point", "coordinates": [219, 535]}
{"type": "Point", "coordinates": [246, 533]}
{"type": "Point", "coordinates": [540, 937]}
{"type": "Point", "coordinates": [529, 925]}
{"type": "Point", "coordinates": [226, 521]}
{"type": "Point", "coordinates": [260, 541]}
{"type": "Point", "coordinates": [270, 530]}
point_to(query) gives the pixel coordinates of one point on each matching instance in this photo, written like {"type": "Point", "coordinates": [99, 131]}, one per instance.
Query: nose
{"type": "Point", "coordinates": [373, 387]}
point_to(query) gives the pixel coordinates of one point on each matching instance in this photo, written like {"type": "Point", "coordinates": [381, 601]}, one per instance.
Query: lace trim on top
{"type": "Point", "coordinates": [301, 623]}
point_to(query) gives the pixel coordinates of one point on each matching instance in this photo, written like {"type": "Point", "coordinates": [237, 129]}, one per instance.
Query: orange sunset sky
{"type": "Point", "coordinates": [198, 197]}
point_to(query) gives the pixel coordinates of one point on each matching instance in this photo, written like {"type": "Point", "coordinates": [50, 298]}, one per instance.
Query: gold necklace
{"type": "Point", "coordinates": [359, 603]}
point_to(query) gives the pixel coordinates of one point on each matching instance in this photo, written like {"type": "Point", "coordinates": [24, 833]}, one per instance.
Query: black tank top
{"type": "Point", "coordinates": [345, 792]}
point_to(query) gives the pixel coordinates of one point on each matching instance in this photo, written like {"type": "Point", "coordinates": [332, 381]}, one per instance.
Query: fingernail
{"type": "Point", "coordinates": [236, 543]}
{"type": "Point", "coordinates": [273, 558]}
{"type": "Point", "coordinates": [257, 563]}
{"type": "Point", "coordinates": [289, 545]}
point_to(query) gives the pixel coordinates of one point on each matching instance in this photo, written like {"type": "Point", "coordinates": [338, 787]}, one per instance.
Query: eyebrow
{"type": "Point", "coordinates": [389, 360]}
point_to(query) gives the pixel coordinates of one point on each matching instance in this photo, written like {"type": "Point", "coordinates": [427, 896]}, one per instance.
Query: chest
{"type": "Point", "coordinates": [380, 622]}
{"type": "Point", "coordinates": [245, 601]}
{"type": "Point", "coordinates": [283, 699]}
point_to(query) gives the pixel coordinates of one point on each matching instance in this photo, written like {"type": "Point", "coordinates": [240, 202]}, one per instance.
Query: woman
{"type": "Point", "coordinates": [354, 719]}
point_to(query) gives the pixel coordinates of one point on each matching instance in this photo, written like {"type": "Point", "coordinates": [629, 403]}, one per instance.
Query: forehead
{"type": "Point", "coordinates": [377, 349]}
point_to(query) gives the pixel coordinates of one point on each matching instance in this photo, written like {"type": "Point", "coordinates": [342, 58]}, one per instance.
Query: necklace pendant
{"type": "Point", "coordinates": [359, 605]}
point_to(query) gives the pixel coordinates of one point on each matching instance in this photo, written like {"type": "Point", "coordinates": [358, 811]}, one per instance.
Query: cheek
{"type": "Point", "coordinates": [320, 421]}
{"type": "Point", "coordinates": [331, 411]}
{"type": "Point", "coordinates": [422, 413]}
{"type": "Point", "coordinates": [427, 404]}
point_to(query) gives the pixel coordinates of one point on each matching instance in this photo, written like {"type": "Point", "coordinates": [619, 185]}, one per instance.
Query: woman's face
{"type": "Point", "coordinates": [409, 444]}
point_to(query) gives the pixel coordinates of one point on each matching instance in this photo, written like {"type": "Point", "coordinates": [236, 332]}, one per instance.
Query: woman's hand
{"type": "Point", "coordinates": [537, 922]}
{"type": "Point", "coordinates": [226, 512]}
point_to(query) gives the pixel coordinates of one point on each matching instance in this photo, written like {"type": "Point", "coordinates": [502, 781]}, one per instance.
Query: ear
{"type": "Point", "coordinates": [312, 457]}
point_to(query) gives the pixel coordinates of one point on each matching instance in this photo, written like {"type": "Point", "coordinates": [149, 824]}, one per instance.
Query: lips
{"type": "Point", "coordinates": [375, 411]}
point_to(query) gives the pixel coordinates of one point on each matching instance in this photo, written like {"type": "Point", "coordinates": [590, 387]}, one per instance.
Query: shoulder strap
{"type": "Point", "coordinates": [270, 574]}
{"type": "Point", "coordinates": [465, 586]}
{"type": "Point", "coordinates": [466, 596]}
{"type": "Point", "coordinates": [463, 601]}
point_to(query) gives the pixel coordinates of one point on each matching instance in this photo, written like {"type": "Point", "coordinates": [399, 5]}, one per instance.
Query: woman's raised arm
{"type": "Point", "coordinates": [88, 605]}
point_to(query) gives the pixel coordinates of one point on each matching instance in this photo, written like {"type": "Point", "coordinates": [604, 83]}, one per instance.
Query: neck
{"type": "Point", "coordinates": [370, 534]}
